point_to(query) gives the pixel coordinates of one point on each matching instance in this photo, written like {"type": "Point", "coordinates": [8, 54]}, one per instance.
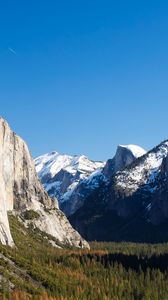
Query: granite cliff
{"type": "Point", "coordinates": [21, 191]}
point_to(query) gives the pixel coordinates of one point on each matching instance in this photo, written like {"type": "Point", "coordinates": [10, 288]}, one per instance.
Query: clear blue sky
{"type": "Point", "coordinates": [81, 77]}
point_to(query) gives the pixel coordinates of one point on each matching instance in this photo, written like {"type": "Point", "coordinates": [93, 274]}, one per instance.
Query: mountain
{"type": "Point", "coordinates": [132, 204]}
{"type": "Point", "coordinates": [60, 173]}
{"type": "Point", "coordinates": [71, 178]}
{"type": "Point", "coordinates": [22, 193]}
{"type": "Point", "coordinates": [125, 199]}
{"type": "Point", "coordinates": [124, 156]}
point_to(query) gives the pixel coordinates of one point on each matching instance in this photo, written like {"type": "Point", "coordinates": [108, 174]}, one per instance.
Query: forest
{"type": "Point", "coordinates": [109, 271]}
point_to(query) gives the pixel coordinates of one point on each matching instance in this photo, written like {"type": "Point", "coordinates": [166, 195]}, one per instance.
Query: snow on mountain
{"type": "Point", "coordinates": [61, 173]}
{"type": "Point", "coordinates": [137, 151]}
{"type": "Point", "coordinates": [125, 155]}
{"type": "Point", "coordinates": [132, 205]}
{"type": "Point", "coordinates": [126, 198]}
{"type": "Point", "coordinates": [53, 162]}
{"type": "Point", "coordinates": [72, 178]}
{"type": "Point", "coordinates": [144, 172]}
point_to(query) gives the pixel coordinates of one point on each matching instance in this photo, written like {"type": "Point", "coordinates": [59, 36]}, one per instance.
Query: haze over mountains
{"type": "Point", "coordinates": [125, 198]}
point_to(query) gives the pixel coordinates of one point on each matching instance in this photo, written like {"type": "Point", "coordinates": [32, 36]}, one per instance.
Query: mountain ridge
{"type": "Point", "coordinates": [61, 173]}
{"type": "Point", "coordinates": [135, 195]}
{"type": "Point", "coordinates": [131, 188]}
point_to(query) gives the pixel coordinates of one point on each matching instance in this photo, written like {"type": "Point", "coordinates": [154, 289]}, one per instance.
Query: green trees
{"type": "Point", "coordinates": [109, 271]}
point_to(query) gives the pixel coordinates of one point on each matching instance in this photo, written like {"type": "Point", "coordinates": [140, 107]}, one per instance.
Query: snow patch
{"type": "Point", "coordinates": [143, 174]}
{"type": "Point", "coordinates": [137, 151]}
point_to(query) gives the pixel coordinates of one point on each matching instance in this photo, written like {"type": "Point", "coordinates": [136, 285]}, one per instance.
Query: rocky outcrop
{"type": "Point", "coordinates": [61, 173]}
{"type": "Point", "coordinates": [5, 235]}
{"type": "Point", "coordinates": [133, 205]}
{"type": "Point", "coordinates": [125, 155]}
{"type": "Point", "coordinates": [22, 185]}
{"type": "Point", "coordinates": [158, 212]}
{"type": "Point", "coordinates": [76, 198]}
{"type": "Point", "coordinates": [21, 190]}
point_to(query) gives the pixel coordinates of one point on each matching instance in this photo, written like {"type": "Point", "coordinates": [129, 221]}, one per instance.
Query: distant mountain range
{"type": "Point", "coordinates": [60, 174]}
{"type": "Point", "coordinates": [125, 198]}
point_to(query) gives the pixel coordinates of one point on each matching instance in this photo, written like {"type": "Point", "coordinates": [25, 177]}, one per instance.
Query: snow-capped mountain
{"type": "Point", "coordinates": [60, 173]}
{"type": "Point", "coordinates": [132, 205]}
{"type": "Point", "coordinates": [144, 173]}
{"type": "Point", "coordinates": [124, 199]}
{"type": "Point", "coordinates": [124, 156]}
{"type": "Point", "coordinates": [72, 178]}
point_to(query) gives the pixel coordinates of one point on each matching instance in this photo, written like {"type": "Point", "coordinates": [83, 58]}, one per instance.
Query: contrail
{"type": "Point", "coordinates": [12, 50]}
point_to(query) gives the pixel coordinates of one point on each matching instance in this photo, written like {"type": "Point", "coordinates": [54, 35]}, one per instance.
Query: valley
{"type": "Point", "coordinates": [125, 271]}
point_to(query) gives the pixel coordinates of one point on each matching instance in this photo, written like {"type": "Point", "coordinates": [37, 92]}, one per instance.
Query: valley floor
{"type": "Point", "coordinates": [109, 271]}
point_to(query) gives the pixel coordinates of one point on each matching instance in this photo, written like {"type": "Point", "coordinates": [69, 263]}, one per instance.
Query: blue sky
{"type": "Point", "coordinates": [81, 77]}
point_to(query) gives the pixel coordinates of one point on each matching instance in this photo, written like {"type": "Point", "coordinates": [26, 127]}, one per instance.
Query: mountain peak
{"type": "Point", "coordinates": [136, 150]}
{"type": "Point", "coordinates": [125, 155]}
{"type": "Point", "coordinates": [60, 173]}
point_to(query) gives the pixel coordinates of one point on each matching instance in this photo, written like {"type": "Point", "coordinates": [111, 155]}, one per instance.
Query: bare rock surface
{"type": "Point", "coordinates": [21, 190]}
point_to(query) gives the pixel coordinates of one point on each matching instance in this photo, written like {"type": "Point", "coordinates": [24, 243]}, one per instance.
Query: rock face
{"type": "Point", "coordinates": [5, 235]}
{"type": "Point", "coordinates": [124, 156]}
{"type": "Point", "coordinates": [21, 190]}
{"type": "Point", "coordinates": [73, 178]}
{"type": "Point", "coordinates": [133, 205]}
{"type": "Point", "coordinates": [60, 174]}
{"type": "Point", "coordinates": [127, 199]}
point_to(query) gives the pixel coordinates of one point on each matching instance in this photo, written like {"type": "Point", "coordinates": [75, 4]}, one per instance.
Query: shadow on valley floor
{"type": "Point", "coordinates": [134, 262]}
